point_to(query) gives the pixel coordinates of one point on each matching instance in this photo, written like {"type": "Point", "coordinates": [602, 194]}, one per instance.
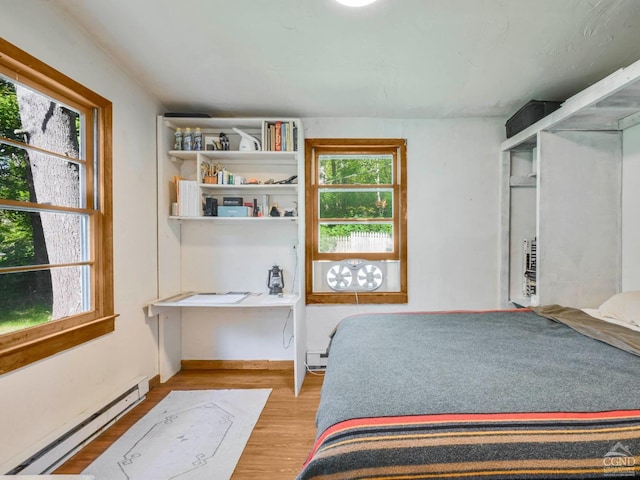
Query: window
{"type": "Point", "coordinates": [356, 250]}
{"type": "Point", "coordinates": [56, 279]}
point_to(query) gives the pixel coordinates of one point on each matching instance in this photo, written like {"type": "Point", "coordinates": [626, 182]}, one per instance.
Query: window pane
{"type": "Point", "coordinates": [355, 169]}
{"type": "Point", "coordinates": [30, 176]}
{"type": "Point", "coordinates": [355, 237]}
{"type": "Point", "coordinates": [27, 299]}
{"type": "Point", "coordinates": [360, 203]}
{"type": "Point", "coordinates": [13, 174]}
{"type": "Point", "coordinates": [59, 126]}
{"type": "Point", "coordinates": [41, 238]}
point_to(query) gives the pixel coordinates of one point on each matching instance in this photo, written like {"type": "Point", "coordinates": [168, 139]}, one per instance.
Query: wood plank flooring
{"type": "Point", "coordinates": [279, 443]}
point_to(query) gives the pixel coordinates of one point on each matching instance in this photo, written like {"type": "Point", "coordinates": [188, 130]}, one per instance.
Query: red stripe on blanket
{"type": "Point", "coordinates": [444, 312]}
{"type": "Point", "coordinates": [467, 417]}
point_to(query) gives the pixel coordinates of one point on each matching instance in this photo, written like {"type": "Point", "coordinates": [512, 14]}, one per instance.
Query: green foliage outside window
{"type": "Point", "coordinates": [355, 170]}
{"type": "Point", "coordinates": [354, 197]}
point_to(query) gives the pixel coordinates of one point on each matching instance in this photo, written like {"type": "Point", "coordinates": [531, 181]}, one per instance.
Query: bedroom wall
{"type": "Point", "coordinates": [631, 209]}
{"type": "Point", "coordinates": [38, 400]}
{"type": "Point", "coordinates": [453, 204]}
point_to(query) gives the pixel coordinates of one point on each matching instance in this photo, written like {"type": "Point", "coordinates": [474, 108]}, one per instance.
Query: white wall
{"type": "Point", "coordinates": [631, 209]}
{"type": "Point", "coordinates": [453, 205]}
{"type": "Point", "coordinates": [36, 401]}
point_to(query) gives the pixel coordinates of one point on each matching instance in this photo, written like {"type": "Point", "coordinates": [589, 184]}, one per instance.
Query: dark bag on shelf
{"type": "Point", "coordinates": [529, 114]}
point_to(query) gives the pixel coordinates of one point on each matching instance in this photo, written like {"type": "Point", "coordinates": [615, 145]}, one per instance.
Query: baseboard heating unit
{"type": "Point", "coordinates": [85, 429]}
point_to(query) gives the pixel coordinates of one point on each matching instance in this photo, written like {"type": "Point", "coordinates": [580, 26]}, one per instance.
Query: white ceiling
{"type": "Point", "coordinates": [392, 59]}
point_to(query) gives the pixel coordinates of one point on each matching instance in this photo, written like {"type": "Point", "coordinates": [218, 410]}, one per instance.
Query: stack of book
{"type": "Point", "coordinates": [279, 136]}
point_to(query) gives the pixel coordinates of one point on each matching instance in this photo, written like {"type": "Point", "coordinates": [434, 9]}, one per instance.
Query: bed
{"type": "Point", "coordinates": [550, 392]}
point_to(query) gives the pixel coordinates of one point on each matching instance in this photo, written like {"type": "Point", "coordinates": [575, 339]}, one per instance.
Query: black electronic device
{"type": "Point", "coordinates": [232, 201]}
{"type": "Point", "coordinates": [210, 207]}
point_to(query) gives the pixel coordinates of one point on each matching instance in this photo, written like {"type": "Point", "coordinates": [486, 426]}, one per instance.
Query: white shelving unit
{"type": "Point", "coordinates": [219, 254]}
{"type": "Point", "coordinates": [561, 184]}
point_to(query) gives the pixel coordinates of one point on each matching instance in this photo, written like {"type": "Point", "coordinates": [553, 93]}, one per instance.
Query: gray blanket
{"type": "Point", "coordinates": [509, 361]}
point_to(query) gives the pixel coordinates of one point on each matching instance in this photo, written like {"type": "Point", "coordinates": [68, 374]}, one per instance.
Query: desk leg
{"type": "Point", "coordinates": [169, 343]}
{"type": "Point", "coordinates": [300, 344]}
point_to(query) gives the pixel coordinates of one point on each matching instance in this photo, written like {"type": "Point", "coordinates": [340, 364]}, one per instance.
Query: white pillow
{"type": "Point", "coordinates": [624, 307]}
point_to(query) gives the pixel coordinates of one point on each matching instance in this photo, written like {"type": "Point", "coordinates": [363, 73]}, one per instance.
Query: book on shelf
{"type": "Point", "coordinates": [279, 136]}
{"type": "Point", "coordinates": [294, 137]}
{"type": "Point", "coordinates": [272, 137]}
{"type": "Point", "coordinates": [188, 195]}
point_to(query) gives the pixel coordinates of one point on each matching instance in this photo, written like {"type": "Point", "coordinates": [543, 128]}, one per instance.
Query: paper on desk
{"type": "Point", "coordinates": [213, 298]}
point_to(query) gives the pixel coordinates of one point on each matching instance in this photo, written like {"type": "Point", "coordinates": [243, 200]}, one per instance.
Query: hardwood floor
{"type": "Point", "coordinates": [279, 443]}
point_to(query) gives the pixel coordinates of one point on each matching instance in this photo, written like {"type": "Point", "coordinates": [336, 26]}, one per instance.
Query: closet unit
{"type": "Point", "coordinates": [561, 232]}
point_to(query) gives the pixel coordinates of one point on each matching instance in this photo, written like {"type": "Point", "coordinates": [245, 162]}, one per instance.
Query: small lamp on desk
{"type": "Point", "coordinates": [275, 281]}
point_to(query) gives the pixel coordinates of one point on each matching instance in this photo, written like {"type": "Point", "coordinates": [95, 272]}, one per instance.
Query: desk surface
{"type": "Point", "coordinates": [199, 299]}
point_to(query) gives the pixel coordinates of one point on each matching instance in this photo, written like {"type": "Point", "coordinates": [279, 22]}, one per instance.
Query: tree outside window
{"type": "Point", "coordinates": [37, 238]}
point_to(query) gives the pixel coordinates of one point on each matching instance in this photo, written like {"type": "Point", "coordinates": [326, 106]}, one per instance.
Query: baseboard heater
{"type": "Point", "coordinates": [59, 450]}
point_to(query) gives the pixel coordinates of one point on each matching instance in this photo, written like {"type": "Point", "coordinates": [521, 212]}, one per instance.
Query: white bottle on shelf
{"type": "Point", "coordinates": [178, 143]}
{"type": "Point", "coordinates": [187, 139]}
{"type": "Point", "coordinates": [197, 139]}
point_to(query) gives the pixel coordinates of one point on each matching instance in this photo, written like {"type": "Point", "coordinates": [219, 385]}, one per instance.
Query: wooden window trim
{"type": "Point", "coordinates": [23, 347]}
{"type": "Point", "coordinates": [346, 146]}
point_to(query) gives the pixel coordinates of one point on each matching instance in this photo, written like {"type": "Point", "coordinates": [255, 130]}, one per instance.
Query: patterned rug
{"type": "Point", "coordinates": [189, 435]}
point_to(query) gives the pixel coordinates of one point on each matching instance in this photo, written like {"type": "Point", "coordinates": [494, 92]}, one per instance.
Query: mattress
{"type": "Point", "coordinates": [504, 394]}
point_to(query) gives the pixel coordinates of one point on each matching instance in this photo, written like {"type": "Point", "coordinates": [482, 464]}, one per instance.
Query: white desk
{"type": "Point", "coordinates": [190, 299]}
{"type": "Point", "coordinates": [170, 358]}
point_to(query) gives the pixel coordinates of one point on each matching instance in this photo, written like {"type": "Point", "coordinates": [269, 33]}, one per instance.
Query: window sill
{"type": "Point", "coordinates": [360, 298]}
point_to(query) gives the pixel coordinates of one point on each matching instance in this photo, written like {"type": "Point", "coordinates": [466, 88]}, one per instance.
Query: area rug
{"type": "Point", "coordinates": [189, 435]}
